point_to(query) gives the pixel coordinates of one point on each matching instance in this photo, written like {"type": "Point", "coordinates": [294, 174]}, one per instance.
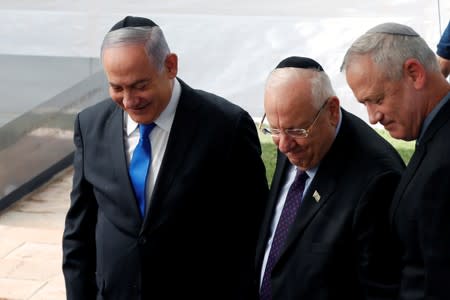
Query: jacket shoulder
{"type": "Point", "coordinates": [368, 147]}
{"type": "Point", "coordinates": [98, 112]}
{"type": "Point", "coordinates": [210, 103]}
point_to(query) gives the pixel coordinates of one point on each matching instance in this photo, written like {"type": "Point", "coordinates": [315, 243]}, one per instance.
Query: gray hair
{"type": "Point", "coordinates": [151, 37]}
{"type": "Point", "coordinates": [321, 88]}
{"type": "Point", "coordinates": [390, 45]}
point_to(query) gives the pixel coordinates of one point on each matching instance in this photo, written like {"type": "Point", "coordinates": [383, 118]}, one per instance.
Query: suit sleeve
{"type": "Point", "coordinates": [434, 232]}
{"type": "Point", "coordinates": [249, 191]}
{"type": "Point", "coordinates": [250, 174]}
{"type": "Point", "coordinates": [79, 232]}
{"type": "Point", "coordinates": [378, 254]}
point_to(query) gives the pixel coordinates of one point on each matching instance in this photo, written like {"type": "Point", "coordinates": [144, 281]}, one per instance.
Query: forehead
{"type": "Point", "coordinates": [127, 64]}
{"type": "Point", "coordinates": [288, 105]}
{"type": "Point", "coordinates": [127, 55]}
{"type": "Point", "coordinates": [365, 78]}
{"type": "Point", "coordinates": [287, 88]}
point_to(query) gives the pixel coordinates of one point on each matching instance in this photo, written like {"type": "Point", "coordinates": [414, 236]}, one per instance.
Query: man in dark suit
{"type": "Point", "coordinates": [194, 234]}
{"type": "Point", "coordinates": [395, 74]}
{"type": "Point", "coordinates": [337, 246]}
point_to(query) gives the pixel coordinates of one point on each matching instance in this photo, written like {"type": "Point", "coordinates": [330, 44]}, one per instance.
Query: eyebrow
{"type": "Point", "coordinates": [372, 98]}
{"type": "Point", "coordinates": [132, 84]}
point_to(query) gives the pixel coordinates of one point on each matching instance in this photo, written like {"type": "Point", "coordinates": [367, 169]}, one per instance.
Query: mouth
{"type": "Point", "coordinates": [296, 156]}
{"type": "Point", "coordinates": [139, 109]}
{"type": "Point", "coordinates": [387, 125]}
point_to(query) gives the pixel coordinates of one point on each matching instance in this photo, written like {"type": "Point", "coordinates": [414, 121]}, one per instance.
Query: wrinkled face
{"type": "Point", "coordinates": [135, 84]}
{"type": "Point", "coordinates": [289, 106]}
{"type": "Point", "coordinates": [392, 103]}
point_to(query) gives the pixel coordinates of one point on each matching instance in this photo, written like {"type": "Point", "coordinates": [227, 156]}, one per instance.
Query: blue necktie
{"type": "Point", "coordinates": [140, 165]}
{"type": "Point", "coordinates": [290, 208]}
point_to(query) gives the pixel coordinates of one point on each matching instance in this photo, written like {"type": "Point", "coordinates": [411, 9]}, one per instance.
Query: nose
{"type": "Point", "coordinates": [374, 115]}
{"type": "Point", "coordinates": [284, 142]}
{"type": "Point", "coordinates": [128, 99]}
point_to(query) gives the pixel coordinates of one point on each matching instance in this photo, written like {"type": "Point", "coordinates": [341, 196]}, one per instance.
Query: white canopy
{"type": "Point", "coordinates": [224, 46]}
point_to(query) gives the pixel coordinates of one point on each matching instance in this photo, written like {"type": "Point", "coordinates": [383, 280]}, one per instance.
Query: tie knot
{"type": "Point", "coordinates": [301, 176]}
{"type": "Point", "coordinates": [299, 181]}
{"type": "Point", "coordinates": [145, 129]}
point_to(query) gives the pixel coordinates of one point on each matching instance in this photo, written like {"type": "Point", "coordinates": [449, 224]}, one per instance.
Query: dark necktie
{"type": "Point", "coordinates": [140, 165]}
{"type": "Point", "coordinates": [290, 208]}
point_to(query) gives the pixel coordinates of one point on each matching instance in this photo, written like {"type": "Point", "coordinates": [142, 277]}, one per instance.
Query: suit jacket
{"type": "Point", "coordinates": [198, 240]}
{"type": "Point", "coordinates": [421, 215]}
{"type": "Point", "coordinates": [338, 246]}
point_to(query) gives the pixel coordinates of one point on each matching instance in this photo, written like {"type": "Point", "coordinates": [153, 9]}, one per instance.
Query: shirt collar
{"type": "Point", "coordinates": [431, 116]}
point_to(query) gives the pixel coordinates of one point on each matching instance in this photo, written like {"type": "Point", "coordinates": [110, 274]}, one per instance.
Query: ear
{"type": "Point", "coordinates": [171, 65]}
{"type": "Point", "coordinates": [415, 72]}
{"type": "Point", "coordinates": [333, 108]}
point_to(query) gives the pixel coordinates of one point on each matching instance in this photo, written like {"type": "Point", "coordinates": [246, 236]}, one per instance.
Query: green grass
{"type": "Point", "coordinates": [269, 155]}
{"type": "Point", "coordinates": [269, 150]}
{"type": "Point", "coordinates": [405, 148]}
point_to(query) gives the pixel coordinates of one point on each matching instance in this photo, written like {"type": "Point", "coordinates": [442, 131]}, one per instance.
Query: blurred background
{"type": "Point", "coordinates": [224, 46]}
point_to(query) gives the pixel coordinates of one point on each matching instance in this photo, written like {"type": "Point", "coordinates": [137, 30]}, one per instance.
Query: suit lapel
{"type": "Point", "coordinates": [183, 129]}
{"type": "Point", "coordinates": [323, 186]}
{"type": "Point", "coordinates": [115, 125]}
{"type": "Point", "coordinates": [413, 164]}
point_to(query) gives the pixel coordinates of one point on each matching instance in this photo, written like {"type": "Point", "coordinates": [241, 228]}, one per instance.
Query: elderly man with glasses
{"type": "Point", "coordinates": [325, 234]}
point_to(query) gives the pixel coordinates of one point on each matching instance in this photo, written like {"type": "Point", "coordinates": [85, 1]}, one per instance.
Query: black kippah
{"type": "Point", "coordinates": [130, 21]}
{"type": "Point", "coordinates": [299, 62]}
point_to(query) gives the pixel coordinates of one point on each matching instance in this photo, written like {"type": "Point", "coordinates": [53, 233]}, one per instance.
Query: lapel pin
{"type": "Point", "coordinates": [316, 196]}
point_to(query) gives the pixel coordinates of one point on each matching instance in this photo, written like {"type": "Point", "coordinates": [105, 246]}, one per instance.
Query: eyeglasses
{"type": "Point", "coordinates": [296, 133]}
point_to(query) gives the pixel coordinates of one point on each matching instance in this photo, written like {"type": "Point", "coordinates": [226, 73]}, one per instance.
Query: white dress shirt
{"type": "Point", "coordinates": [158, 138]}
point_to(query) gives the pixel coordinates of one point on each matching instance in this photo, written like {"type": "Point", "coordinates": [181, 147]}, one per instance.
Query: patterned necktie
{"type": "Point", "coordinates": [140, 165]}
{"type": "Point", "coordinates": [290, 208]}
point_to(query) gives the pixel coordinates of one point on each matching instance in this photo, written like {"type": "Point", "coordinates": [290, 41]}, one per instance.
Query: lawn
{"type": "Point", "coordinates": [269, 152]}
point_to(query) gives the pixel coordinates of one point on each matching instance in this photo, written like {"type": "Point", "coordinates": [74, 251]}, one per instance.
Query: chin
{"type": "Point", "coordinates": [141, 116]}
{"type": "Point", "coordinates": [136, 118]}
{"type": "Point", "coordinates": [295, 161]}
{"type": "Point", "coordinates": [398, 135]}
{"type": "Point", "coordinates": [139, 119]}
{"type": "Point", "coordinates": [301, 164]}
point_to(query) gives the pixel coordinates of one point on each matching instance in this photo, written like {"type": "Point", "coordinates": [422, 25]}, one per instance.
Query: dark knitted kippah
{"type": "Point", "coordinates": [299, 62]}
{"type": "Point", "coordinates": [130, 21]}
